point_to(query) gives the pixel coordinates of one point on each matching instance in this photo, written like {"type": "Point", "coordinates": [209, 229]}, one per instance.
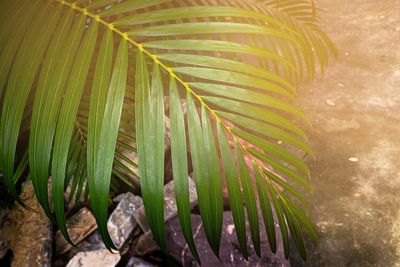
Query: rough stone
{"type": "Point", "coordinates": [102, 257]}
{"type": "Point", "coordinates": [230, 254]}
{"type": "Point", "coordinates": [90, 243]}
{"type": "Point", "coordinates": [24, 230]}
{"type": "Point", "coordinates": [141, 219]}
{"type": "Point", "coordinates": [138, 262]}
{"type": "Point", "coordinates": [120, 197]}
{"type": "Point", "coordinates": [144, 245]}
{"type": "Point", "coordinates": [122, 222]}
{"type": "Point", "coordinates": [79, 226]}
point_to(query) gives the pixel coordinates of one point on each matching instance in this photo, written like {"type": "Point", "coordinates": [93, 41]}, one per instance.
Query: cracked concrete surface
{"type": "Point", "coordinates": [354, 108]}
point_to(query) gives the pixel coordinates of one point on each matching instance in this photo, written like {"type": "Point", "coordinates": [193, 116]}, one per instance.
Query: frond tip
{"type": "Point", "coordinates": [80, 111]}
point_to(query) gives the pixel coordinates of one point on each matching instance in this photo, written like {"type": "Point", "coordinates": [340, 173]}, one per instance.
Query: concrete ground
{"type": "Point", "coordinates": [355, 111]}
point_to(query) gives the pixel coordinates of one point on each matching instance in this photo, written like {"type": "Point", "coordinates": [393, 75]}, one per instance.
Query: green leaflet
{"type": "Point", "coordinates": [201, 172]}
{"type": "Point", "coordinates": [66, 122]}
{"type": "Point", "coordinates": [302, 219]}
{"type": "Point", "coordinates": [203, 11]}
{"type": "Point", "coordinates": [295, 230]}
{"type": "Point", "coordinates": [180, 165]}
{"type": "Point", "coordinates": [214, 184]}
{"type": "Point", "coordinates": [98, 98]}
{"type": "Point", "coordinates": [233, 78]}
{"type": "Point", "coordinates": [265, 208]}
{"type": "Point", "coordinates": [17, 92]}
{"type": "Point", "coordinates": [193, 12]}
{"type": "Point", "coordinates": [225, 64]}
{"type": "Point", "coordinates": [209, 28]}
{"type": "Point", "coordinates": [268, 131]}
{"type": "Point", "coordinates": [287, 172]}
{"type": "Point", "coordinates": [96, 4]}
{"type": "Point", "coordinates": [250, 199]}
{"type": "Point", "coordinates": [23, 164]}
{"type": "Point", "coordinates": [235, 194]}
{"type": "Point", "coordinates": [286, 186]}
{"type": "Point", "coordinates": [256, 112]}
{"type": "Point", "coordinates": [273, 149]}
{"type": "Point", "coordinates": [149, 116]}
{"type": "Point", "coordinates": [216, 46]}
{"type": "Point", "coordinates": [11, 14]}
{"type": "Point", "coordinates": [76, 150]}
{"type": "Point", "coordinates": [51, 86]}
{"type": "Point", "coordinates": [18, 28]}
{"type": "Point", "coordinates": [130, 5]}
{"type": "Point", "coordinates": [77, 176]}
{"type": "Point", "coordinates": [81, 186]}
{"type": "Point", "coordinates": [100, 184]}
{"type": "Point", "coordinates": [281, 218]}
{"type": "Point", "coordinates": [250, 96]}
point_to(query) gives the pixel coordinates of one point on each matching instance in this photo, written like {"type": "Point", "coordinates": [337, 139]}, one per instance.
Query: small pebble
{"type": "Point", "coordinates": [357, 194]}
{"type": "Point", "coordinates": [346, 54]}
{"type": "Point", "coordinates": [381, 17]}
{"type": "Point", "coordinates": [330, 102]}
{"type": "Point", "coordinates": [280, 142]}
{"type": "Point", "coordinates": [340, 84]}
{"type": "Point", "coordinates": [353, 159]}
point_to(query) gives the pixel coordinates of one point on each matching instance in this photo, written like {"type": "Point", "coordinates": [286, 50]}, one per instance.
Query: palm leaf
{"type": "Point", "coordinates": [88, 109]}
{"type": "Point", "coordinates": [249, 199]}
{"type": "Point", "coordinates": [202, 177]}
{"type": "Point", "coordinates": [66, 121]}
{"type": "Point", "coordinates": [233, 185]}
{"type": "Point", "coordinates": [150, 137]}
{"type": "Point", "coordinates": [100, 183]}
{"type": "Point", "coordinates": [179, 164]}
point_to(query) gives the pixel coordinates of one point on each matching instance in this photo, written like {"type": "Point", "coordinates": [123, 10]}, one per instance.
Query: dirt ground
{"type": "Point", "coordinates": [354, 108]}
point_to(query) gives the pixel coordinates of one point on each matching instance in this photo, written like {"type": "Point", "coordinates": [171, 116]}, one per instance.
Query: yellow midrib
{"type": "Point", "coordinates": [162, 65]}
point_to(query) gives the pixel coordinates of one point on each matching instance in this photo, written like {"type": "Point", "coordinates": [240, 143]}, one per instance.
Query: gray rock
{"type": "Point", "coordinates": [122, 221]}
{"type": "Point", "coordinates": [101, 257]}
{"type": "Point", "coordinates": [79, 226]}
{"type": "Point", "coordinates": [141, 219]}
{"type": "Point", "coordinates": [170, 209]}
{"type": "Point", "coordinates": [138, 262]}
{"type": "Point", "coordinates": [90, 243]}
{"type": "Point", "coordinates": [120, 197]}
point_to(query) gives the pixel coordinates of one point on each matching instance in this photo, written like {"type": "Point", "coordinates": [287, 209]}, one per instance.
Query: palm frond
{"type": "Point", "coordinates": [88, 83]}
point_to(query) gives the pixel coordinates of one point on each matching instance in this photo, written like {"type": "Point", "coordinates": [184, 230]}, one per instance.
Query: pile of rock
{"type": "Point", "coordinates": [131, 235]}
